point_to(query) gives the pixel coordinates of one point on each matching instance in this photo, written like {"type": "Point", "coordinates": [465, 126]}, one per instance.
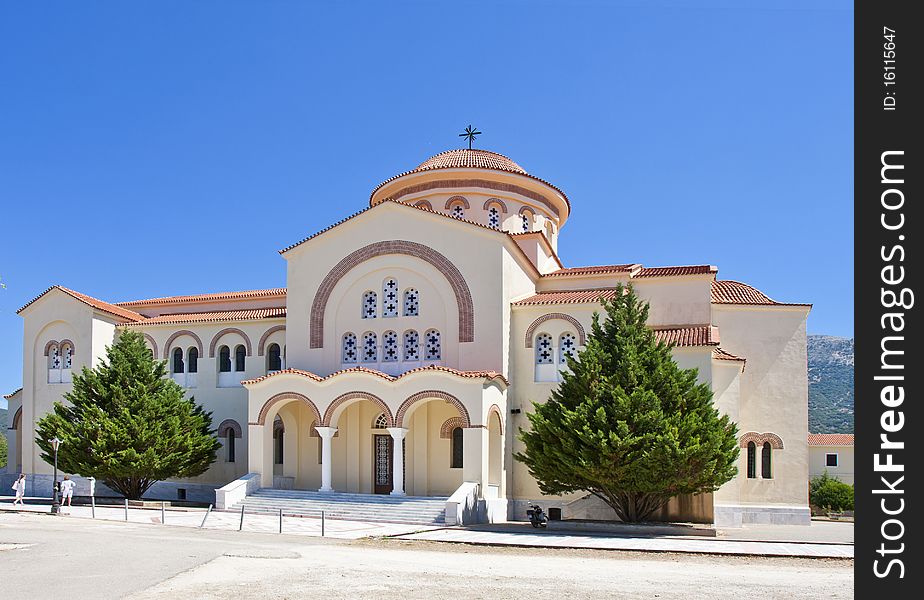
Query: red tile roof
{"type": "Point", "coordinates": [735, 292]}
{"type": "Point", "coordinates": [597, 270]}
{"type": "Point", "coordinates": [720, 354]}
{"type": "Point", "coordinates": [111, 309]}
{"type": "Point", "coordinates": [830, 439]}
{"type": "Point", "coordinates": [675, 271]}
{"type": "Point", "coordinates": [248, 295]}
{"type": "Point", "coordinates": [11, 394]}
{"type": "Point", "coordinates": [256, 314]}
{"type": "Point", "coordinates": [490, 375]}
{"type": "Point", "coordinates": [698, 335]}
{"type": "Point", "coordinates": [591, 296]}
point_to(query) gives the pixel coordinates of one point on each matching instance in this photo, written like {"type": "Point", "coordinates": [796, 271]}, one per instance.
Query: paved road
{"type": "Point", "coordinates": [40, 556]}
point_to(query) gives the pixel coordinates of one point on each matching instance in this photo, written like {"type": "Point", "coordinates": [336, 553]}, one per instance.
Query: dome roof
{"type": "Point", "coordinates": [472, 159]}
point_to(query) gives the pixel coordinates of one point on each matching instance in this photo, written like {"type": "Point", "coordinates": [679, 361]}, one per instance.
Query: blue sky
{"type": "Point", "coordinates": [158, 148]}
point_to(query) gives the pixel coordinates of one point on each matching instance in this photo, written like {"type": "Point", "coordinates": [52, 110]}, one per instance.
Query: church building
{"type": "Point", "coordinates": [410, 342]}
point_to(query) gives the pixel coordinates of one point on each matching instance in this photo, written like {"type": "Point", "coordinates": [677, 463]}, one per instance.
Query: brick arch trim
{"type": "Point", "coordinates": [540, 320]}
{"type": "Point", "coordinates": [430, 395]}
{"type": "Point", "coordinates": [224, 331]}
{"type": "Point", "coordinates": [151, 341]}
{"type": "Point", "coordinates": [496, 411]}
{"type": "Point", "coordinates": [64, 342]}
{"type": "Point", "coordinates": [283, 397]}
{"type": "Point", "coordinates": [229, 425]}
{"type": "Point", "coordinates": [261, 345]}
{"type": "Point", "coordinates": [17, 419]}
{"type": "Point", "coordinates": [440, 262]}
{"type": "Point", "coordinates": [455, 199]}
{"type": "Point", "coordinates": [448, 425]}
{"type": "Point", "coordinates": [48, 347]}
{"type": "Point", "coordinates": [424, 204]}
{"type": "Point", "coordinates": [776, 442]}
{"type": "Point", "coordinates": [497, 201]}
{"type": "Point", "coordinates": [527, 209]}
{"type": "Point", "coordinates": [178, 334]}
{"type": "Point", "coordinates": [347, 398]}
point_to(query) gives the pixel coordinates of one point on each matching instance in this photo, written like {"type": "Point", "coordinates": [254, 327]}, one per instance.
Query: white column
{"type": "Point", "coordinates": [327, 434]}
{"type": "Point", "coordinates": [397, 456]}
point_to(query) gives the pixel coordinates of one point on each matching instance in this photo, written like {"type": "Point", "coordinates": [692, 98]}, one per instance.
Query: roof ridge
{"type": "Point", "coordinates": [202, 297]}
{"type": "Point", "coordinates": [90, 301]}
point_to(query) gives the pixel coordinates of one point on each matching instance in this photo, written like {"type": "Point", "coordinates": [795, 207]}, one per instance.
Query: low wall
{"type": "Point", "coordinates": [39, 486]}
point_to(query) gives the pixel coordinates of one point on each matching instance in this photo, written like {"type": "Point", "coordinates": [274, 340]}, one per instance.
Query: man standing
{"type": "Point", "coordinates": [67, 491]}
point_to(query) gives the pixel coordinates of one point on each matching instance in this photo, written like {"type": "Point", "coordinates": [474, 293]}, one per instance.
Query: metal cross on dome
{"type": "Point", "coordinates": [470, 134]}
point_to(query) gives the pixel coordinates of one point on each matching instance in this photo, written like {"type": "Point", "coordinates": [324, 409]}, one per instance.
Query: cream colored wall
{"type": "Point", "coordinates": [726, 394]}
{"type": "Point", "coordinates": [13, 436]}
{"type": "Point", "coordinates": [773, 395]}
{"type": "Point", "coordinates": [675, 300]}
{"type": "Point", "coordinates": [844, 470]}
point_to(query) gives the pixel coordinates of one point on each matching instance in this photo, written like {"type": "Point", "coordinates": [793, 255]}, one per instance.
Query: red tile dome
{"type": "Point", "coordinates": [470, 159]}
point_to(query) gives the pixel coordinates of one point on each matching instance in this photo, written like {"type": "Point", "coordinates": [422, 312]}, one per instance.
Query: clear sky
{"type": "Point", "coordinates": [160, 148]}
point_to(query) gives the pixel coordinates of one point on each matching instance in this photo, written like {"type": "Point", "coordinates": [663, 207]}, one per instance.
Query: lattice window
{"type": "Point", "coordinates": [567, 346]}
{"type": "Point", "coordinates": [411, 345]}
{"type": "Point", "coordinates": [411, 302]}
{"type": "Point", "coordinates": [389, 346]}
{"type": "Point", "coordinates": [370, 347]}
{"type": "Point", "coordinates": [526, 223]}
{"type": "Point", "coordinates": [370, 305]}
{"type": "Point", "coordinates": [381, 422]}
{"type": "Point", "coordinates": [544, 355]}
{"type": "Point", "coordinates": [192, 360]}
{"type": "Point", "coordinates": [458, 211]}
{"type": "Point", "coordinates": [434, 348]}
{"type": "Point", "coordinates": [493, 217]}
{"type": "Point", "coordinates": [67, 352]}
{"type": "Point", "coordinates": [390, 298]}
{"type": "Point", "coordinates": [349, 348]}
{"type": "Point", "coordinates": [54, 357]}
{"type": "Point", "coordinates": [178, 366]}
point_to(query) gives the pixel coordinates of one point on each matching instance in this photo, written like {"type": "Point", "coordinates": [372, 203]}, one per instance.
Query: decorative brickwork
{"type": "Point", "coordinates": [500, 204]}
{"type": "Point", "coordinates": [457, 200]}
{"type": "Point", "coordinates": [476, 183]}
{"type": "Point", "coordinates": [229, 424]}
{"type": "Point", "coordinates": [150, 340]}
{"type": "Point", "coordinates": [540, 320]}
{"type": "Point", "coordinates": [348, 398]}
{"type": "Point", "coordinates": [17, 419]}
{"type": "Point", "coordinates": [262, 344]}
{"type": "Point", "coordinates": [425, 253]}
{"type": "Point", "coordinates": [285, 397]}
{"type": "Point", "coordinates": [430, 395]}
{"type": "Point", "coordinates": [51, 344]}
{"type": "Point", "coordinates": [423, 204]}
{"type": "Point", "coordinates": [496, 411]}
{"type": "Point", "coordinates": [225, 331]}
{"type": "Point", "coordinates": [759, 438]}
{"type": "Point", "coordinates": [448, 425]}
{"type": "Point", "coordinates": [178, 334]}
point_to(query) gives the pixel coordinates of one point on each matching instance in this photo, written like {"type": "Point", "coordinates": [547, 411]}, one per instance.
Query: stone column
{"type": "Point", "coordinates": [327, 434]}
{"type": "Point", "coordinates": [397, 457]}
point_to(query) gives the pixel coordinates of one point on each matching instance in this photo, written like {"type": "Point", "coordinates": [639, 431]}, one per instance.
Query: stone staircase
{"type": "Point", "coordinates": [374, 508]}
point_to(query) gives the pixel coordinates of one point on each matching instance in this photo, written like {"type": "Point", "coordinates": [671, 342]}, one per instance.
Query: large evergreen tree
{"type": "Point", "coordinates": [627, 424]}
{"type": "Point", "coordinates": [127, 424]}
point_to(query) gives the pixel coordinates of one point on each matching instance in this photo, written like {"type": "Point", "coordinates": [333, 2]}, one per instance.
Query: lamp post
{"type": "Point", "coordinates": [55, 505]}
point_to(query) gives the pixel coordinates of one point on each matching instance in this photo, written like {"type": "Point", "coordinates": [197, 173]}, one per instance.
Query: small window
{"type": "Point", "coordinates": [229, 444]}
{"type": "Point", "coordinates": [370, 305]}
{"type": "Point", "coordinates": [390, 298]}
{"type": "Point", "coordinates": [192, 360]}
{"type": "Point", "coordinates": [54, 357]}
{"type": "Point", "coordinates": [240, 355]}
{"type": "Point", "coordinates": [67, 355]}
{"type": "Point", "coordinates": [493, 217]}
{"type": "Point", "coordinates": [273, 358]}
{"type": "Point", "coordinates": [389, 346]}
{"type": "Point", "coordinates": [457, 449]}
{"type": "Point", "coordinates": [831, 460]}
{"type": "Point", "coordinates": [411, 345]}
{"type": "Point", "coordinates": [752, 460]}
{"type": "Point", "coordinates": [279, 430]}
{"type": "Point", "coordinates": [349, 347]}
{"type": "Point", "coordinates": [544, 355]}
{"type": "Point", "coordinates": [224, 359]}
{"type": "Point", "coordinates": [370, 347]}
{"type": "Point", "coordinates": [434, 347]}
{"type": "Point", "coordinates": [567, 347]}
{"type": "Point", "coordinates": [457, 211]}
{"type": "Point", "coordinates": [178, 366]}
{"type": "Point", "coordinates": [381, 422]}
{"type": "Point", "coordinates": [765, 459]}
{"type": "Point", "coordinates": [411, 302]}
{"type": "Point", "coordinates": [527, 221]}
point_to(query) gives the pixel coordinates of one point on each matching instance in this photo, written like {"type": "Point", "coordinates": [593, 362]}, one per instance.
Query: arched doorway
{"type": "Point", "coordinates": [290, 444]}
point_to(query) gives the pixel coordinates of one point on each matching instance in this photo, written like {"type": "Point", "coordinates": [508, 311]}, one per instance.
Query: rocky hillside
{"type": "Point", "coordinates": [830, 375]}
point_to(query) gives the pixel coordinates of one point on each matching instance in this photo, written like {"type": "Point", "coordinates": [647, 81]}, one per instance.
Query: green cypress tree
{"type": "Point", "coordinates": [127, 424]}
{"type": "Point", "coordinates": [627, 424]}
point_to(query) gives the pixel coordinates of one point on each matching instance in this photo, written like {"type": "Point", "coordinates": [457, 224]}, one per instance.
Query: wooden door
{"type": "Point", "coordinates": [382, 449]}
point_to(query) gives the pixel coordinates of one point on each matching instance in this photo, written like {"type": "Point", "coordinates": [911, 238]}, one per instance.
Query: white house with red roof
{"type": "Point", "coordinates": [409, 344]}
{"type": "Point", "coordinates": [831, 453]}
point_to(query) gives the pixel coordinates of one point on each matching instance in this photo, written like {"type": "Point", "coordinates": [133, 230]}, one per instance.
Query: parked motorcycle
{"type": "Point", "coordinates": [537, 516]}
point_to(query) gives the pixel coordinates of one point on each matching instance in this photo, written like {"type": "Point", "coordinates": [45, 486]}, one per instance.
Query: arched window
{"type": "Point", "coordinates": [411, 302]}
{"type": "Point", "coordinates": [434, 348]}
{"type": "Point", "coordinates": [67, 355]}
{"type": "Point", "coordinates": [457, 449]}
{"type": "Point", "coordinates": [527, 221]}
{"type": "Point", "coordinates": [390, 298]}
{"type": "Point", "coordinates": [229, 444]}
{"type": "Point", "coordinates": [544, 355]}
{"type": "Point", "coordinates": [279, 430]}
{"type": "Point", "coordinates": [494, 217]}
{"type": "Point", "coordinates": [457, 211]}
{"type": "Point", "coordinates": [240, 354]}
{"type": "Point", "coordinates": [567, 346]}
{"type": "Point", "coordinates": [349, 347]}
{"type": "Point", "coordinates": [370, 347]}
{"type": "Point", "coordinates": [381, 422]}
{"type": "Point", "coordinates": [548, 230]}
{"type": "Point", "coordinates": [54, 357]}
{"type": "Point", "coordinates": [765, 466]}
{"type": "Point", "coordinates": [389, 346]}
{"type": "Point", "coordinates": [192, 360]}
{"type": "Point", "coordinates": [411, 345]}
{"type": "Point", "coordinates": [370, 305]}
{"type": "Point", "coordinates": [178, 366]}
{"type": "Point", "coordinates": [752, 460]}
{"type": "Point", "coordinates": [224, 360]}
{"type": "Point", "coordinates": [273, 358]}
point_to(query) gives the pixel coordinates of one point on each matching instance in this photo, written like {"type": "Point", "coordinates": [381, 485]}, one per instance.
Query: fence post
{"type": "Point", "coordinates": [280, 520]}
{"type": "Point", "coordinates": [207, 513]}
{"type": "Point", "coordinates": [126, 509]}
{"type": "Point", "coordinates": [163, 513]}
{"type": "Point", "coordinates": [322, 523]}
{"type": "Point", "coordinates": [241, 526]}
{"type": "Point", "coordinates": [92, 507]}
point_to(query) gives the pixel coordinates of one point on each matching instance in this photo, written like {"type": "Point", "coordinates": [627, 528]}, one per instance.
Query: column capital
{"type": "Point", "coordinates": [397, 433]}
{"type": "Point", "coordinates": [326, 432]}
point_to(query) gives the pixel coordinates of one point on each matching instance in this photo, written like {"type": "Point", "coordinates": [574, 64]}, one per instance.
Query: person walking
{"type": "Point", "coordinates": [20, 487]}
{"type": "Point", "coordinates": [67, 491]}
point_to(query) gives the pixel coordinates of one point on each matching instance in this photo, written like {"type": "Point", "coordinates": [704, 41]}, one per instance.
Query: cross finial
{"type": "Point", "coordinates": [470, 134]}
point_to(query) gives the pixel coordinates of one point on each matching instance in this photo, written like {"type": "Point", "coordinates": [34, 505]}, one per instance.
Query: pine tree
{"type": "Point", "coordinates": [627, 424]}
{"type": "Point", "coordinates": [128, 425]}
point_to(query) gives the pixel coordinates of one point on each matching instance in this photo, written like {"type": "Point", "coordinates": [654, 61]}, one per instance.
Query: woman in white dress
{"type": "Point", "coordinates": [20, 486]}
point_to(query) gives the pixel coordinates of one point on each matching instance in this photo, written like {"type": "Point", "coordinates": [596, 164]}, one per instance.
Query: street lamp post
{"type": "Point", "coordinates": [55, 504]}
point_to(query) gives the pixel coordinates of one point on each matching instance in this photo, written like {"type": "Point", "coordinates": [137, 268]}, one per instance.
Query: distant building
{"type": "Point", "coordinates": [831, 452]}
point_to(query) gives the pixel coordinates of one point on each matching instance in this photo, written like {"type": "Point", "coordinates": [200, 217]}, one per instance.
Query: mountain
{"type": "Point", "coordinates": [830, 375]}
